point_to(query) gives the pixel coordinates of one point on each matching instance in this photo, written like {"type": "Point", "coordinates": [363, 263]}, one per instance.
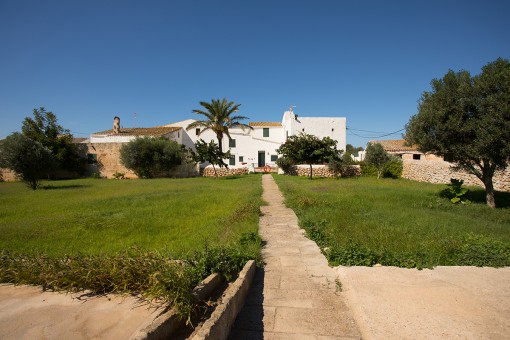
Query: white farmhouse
{"type": "Point", "coordinates": [251, 148]}
{"type": "Point", "coordinates": [257, 146]}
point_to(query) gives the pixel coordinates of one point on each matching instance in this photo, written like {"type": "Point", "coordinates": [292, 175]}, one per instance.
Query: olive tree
{"type": "Point", "coordinates": [377, 156]}
{"type": "Point", "coordinates": [309, 149]}
{"type": "Point", "coordinates": [147, 156]}
{"type": "Point", "coordinates": [29, 159]}
{"type": "Point", "coordinates": [467, 119]}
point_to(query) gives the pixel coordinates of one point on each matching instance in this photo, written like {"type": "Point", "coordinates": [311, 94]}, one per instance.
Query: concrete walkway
{"type": "Point", "coordinates": [296, 295]}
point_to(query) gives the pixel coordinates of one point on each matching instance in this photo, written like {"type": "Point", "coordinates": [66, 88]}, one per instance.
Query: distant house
{"type": "Point", "coordinates": [399, 148]}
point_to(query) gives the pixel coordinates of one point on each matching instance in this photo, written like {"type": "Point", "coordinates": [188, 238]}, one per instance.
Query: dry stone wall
{"type": "Point", "coordinates": [441, 172]}
{"type": "Point", "coordinates": [222, 172]}
{"type": "Point", "coordinates": [108, 163]}
{"type": "Point", "coordinates": [324, 171]}
{"type": "Point", "coordinates": [7, 175]}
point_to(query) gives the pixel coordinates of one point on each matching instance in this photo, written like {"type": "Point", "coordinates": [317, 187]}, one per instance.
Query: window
{"type": "Point", "coordinates": [232, 143]}
{"type": "Point", "coordinates": [91, 158]}
{"type": "Point", "coordinates": [197, 132]}
{"type": "Point", "coordinates": [416, 156]}
{"type": "Point", "coordinates": [265, 132]}
{"type": "Point", "coordinates": [241, 159]}
{"type": "Point", "coordinates": [274, 158]}
{"type": "Point", "coordinates": [232, 160]}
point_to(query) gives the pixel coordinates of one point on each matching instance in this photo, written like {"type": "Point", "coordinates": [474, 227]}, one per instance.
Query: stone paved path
{"type": "Point", "coordinates": [295, 296]}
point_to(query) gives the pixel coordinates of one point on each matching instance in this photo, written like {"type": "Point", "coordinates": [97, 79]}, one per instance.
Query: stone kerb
{"type": "Point", "coordinates": [441, 172]}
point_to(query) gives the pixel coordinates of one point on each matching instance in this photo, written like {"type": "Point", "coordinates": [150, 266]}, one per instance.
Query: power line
{"type": "Point", "coordinates": [373, 137]}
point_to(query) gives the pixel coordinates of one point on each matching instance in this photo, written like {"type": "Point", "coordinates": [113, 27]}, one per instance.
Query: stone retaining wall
{"type": "Point", "coordinates": [222, 172]}
{"type": "Point", "coordinates": [441, 172]}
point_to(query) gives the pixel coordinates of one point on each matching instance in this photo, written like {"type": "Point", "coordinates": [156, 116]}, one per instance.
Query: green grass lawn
{"type": "Point", "coordinates": [93, 216]}
{"type": "Point", "coordinates": [123, 236]}
{"type": "Point", "coordinates": [362, 221]}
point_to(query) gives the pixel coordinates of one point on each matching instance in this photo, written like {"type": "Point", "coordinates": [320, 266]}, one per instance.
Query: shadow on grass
{"type": "Point", "coordinates": [478, 196]}
{"type": "Point", "coordinates": [63, 187]}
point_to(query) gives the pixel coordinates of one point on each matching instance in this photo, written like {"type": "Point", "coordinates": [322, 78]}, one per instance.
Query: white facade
{"type": "Point", "coordinates": [249, 147]}
{"type": "Point", "coordinates": [258, 146]}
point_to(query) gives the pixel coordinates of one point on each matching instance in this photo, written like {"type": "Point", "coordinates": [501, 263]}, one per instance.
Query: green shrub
{"type": "Point", "coordinates": [286, 165]}
{"type": "Point", "coordinates": [393, 168]}
{"type": "Point", "coordinates": [455, 192]}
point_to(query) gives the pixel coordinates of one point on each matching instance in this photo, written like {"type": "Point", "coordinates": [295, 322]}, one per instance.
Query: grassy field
{"type": "Point", "coordinates": [106, 216]}
{"type": "Point", "coordinates": [123, 237]}
{"type": "Point", "coordinates": [363, 221]}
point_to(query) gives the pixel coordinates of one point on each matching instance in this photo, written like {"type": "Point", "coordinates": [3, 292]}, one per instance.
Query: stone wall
{"type": "Point", "coordinates": [222, 172]}
{"type": "Point", "coordinates": [7, 175]}
{"type": "Point", "coordinates": [441, 172]}
{"type": "Point", "coordinates": [324, 171]}
{"type": "Point", "coordinates": [108, 163]}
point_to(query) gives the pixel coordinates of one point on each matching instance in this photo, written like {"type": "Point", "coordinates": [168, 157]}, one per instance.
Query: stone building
{"type": "Point", "coordinates": [427, 167]}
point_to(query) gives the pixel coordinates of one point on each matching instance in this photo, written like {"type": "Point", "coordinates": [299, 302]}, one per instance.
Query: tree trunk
{"type": "Point", "coordinates": [489, 191]}
{"type": "Point", "coordinates": [311, 171]}
{"type": "Point", "coordinates": [215, 174]}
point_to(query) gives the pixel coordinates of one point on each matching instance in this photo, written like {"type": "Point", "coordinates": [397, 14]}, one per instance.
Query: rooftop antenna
{"type": "Point", "coordinates": [135, 116]}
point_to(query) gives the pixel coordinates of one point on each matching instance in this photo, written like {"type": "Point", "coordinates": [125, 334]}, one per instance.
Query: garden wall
{"type": "Point", "coordinates": [108, 163]}
{"type": "Point", "coordinates": [323, 171]}
{"type": "Point", "coordinates": [7, 175]}
{"type": "Point", "coordinates": [222, 172]}
{"type": "Point", "coordinates": [441, 172]}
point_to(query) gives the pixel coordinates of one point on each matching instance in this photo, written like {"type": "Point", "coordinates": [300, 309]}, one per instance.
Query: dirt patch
{"type": "Point", "coordinates": [28, 313]}
{"type": "Point", "coordinates": [446, 302]}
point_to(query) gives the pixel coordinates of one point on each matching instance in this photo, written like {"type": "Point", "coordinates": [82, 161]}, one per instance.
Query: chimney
{"type": "Point", "coordinates": [116, 125]}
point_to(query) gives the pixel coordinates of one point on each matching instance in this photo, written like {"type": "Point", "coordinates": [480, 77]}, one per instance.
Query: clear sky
{"type": "Point", "coordinates": [368, 61]}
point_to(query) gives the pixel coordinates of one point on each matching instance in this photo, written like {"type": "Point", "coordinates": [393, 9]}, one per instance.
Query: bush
{"type": "Point", "coordinates": [147, 156]}
{"type": "Point", "coordinates": [286, 165]}
{"type": "Point", "coordinates": [393, 168]}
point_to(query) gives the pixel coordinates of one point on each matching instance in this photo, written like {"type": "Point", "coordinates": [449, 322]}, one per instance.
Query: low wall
{"type": "Point", "coordinates": [7, 175]}
{"type": "Point", "coordinates": [222, 172]}
{"type": "Point", "coordinates": [441, 172]}
{"type": "Point", "coordinates": [324, 171]}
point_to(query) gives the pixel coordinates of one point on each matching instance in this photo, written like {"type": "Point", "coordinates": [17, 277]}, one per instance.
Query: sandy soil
{"type": "Point", "coordinates": [443, 303]}
{"type": "Point", "coordinates": [28, 313]}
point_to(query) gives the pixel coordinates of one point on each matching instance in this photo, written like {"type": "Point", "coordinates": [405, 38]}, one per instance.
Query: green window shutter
{"type": "Point", "coordinates": [274, 158]}
{"type": "Point", "coordinates": [232, 143]}
{"type": "Point", "coordinates": [232, 160]}
{"type": "Point", "coordinates": [241, 159]}
{"type": "Point", "coordinates": [265, 132]}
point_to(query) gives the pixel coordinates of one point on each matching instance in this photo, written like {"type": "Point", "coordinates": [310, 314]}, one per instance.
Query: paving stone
{"type": "Point", "coordinates": [295, 295]}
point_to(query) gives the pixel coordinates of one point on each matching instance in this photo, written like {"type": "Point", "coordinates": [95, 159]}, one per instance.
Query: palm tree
{"type": "Point", "coordinates": [219, 119]}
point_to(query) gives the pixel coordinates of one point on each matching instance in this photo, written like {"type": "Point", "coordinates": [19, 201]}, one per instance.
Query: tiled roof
{"type": "Point", "coordinates": [153, 131]}
{"type": "Point", "coordinates": [395, 145]}
{"type": "Point", "coordinates": [265, 124]}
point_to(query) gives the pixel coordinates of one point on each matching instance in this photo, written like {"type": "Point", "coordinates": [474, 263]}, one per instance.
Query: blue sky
{"type": "Point", "coordinates": [369, 61]}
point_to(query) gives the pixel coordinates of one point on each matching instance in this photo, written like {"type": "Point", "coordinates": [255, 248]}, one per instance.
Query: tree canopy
{"type": "Point", "coordinates": [467, 119]}
{"type": "Point", "coordinates": [29, 159]}
{"type": "Point", "coordinates": [309, 149]}
{"type": "Point", "coordinates": [148, 156]}
{"type": "Point", "coordinates": [219, 118]}
{"type": "Point", "coordinates": [377, 156]}
{"type": "Point", "coordinates": [209, 153]}
{"type": "Point", "coordinates": [44, 128]}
